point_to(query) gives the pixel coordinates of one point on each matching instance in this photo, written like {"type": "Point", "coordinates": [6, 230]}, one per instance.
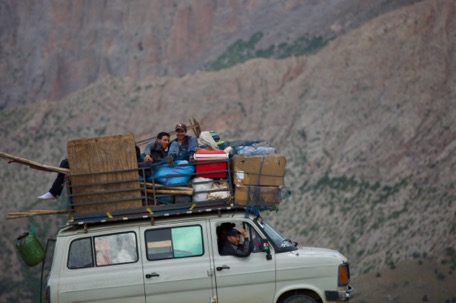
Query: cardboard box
{"type": "Point", "coordinates": [259, 170]}
{"type": "Point", "coordinates": [205, 163]}
{"type": "Point", "coordinates": [258, 196]}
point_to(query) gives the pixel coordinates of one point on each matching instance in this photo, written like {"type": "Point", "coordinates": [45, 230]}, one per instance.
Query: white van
{"type": "Point", "coordinates": [177, 259]}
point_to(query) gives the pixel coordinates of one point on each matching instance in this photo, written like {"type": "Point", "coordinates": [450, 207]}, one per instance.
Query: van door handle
{"type": "Point", "coordinates": [220, 268]}
{"type": "Point", "coordinates": [154, 274]}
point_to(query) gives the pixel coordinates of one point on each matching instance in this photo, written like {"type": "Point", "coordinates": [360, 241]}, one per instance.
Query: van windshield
{"type": "Point", "coordinates": [281, 243]}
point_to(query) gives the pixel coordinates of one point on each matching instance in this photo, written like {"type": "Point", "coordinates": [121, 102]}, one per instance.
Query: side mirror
{"type": "Point", "coordinates": [267, 250]}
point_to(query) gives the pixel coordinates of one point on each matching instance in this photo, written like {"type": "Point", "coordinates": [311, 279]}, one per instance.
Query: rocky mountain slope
{"type": "Point", "coordinates": [53, 48]}
{"type": "Point", "coordinates": [366, 124]}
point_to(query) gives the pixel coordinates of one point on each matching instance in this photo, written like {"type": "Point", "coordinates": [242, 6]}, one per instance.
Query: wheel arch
{"type": "Point", "coordinates": [307, 292]}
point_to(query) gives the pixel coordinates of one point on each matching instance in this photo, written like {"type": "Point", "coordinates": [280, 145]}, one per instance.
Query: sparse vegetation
{"type": "Point", "coordinates": [450, 259]}
{"type": "Point", "coordinates": [453, 228]}
{"type": "Point", "coordinates": [391, 264]}
{"type": "Point", "coordinates": [439, 275]}
{"type": "Point", "coordinates": [241, 50]}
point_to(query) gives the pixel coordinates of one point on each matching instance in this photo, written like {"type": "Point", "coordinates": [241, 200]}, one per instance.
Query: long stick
{"type": "Point", "coordinates": [37, 212]}
{"type": "Point", "coordinates": [189, 192]}
{"type": "Point", "coordinates": [159, 186]}
{"type": "Point", "coordinates": [33, 164]}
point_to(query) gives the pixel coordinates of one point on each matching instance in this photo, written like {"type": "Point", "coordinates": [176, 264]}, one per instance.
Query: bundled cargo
{"type": "Point", "coordinates": [258, 180]}
{"type": "Point", "coordinates": [259, 170]}
{"type": "Point", "coordinates": [108, 178]}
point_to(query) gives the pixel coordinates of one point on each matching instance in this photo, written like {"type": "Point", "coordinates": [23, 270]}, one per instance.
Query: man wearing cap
{"type": "Point", "coordinates": [232, 245]}
{"type": "Point", "coordinates": [183, 147]}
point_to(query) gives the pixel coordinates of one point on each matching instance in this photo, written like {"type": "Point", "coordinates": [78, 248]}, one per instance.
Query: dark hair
{"type": "Point", "coordinates": [162, 134]}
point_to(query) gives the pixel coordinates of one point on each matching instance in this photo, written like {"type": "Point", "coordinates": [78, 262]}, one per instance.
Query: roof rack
{"type": "Point", "coordinates": [104, 201]}
{"type": "Point", "coordinates": [142, 214]}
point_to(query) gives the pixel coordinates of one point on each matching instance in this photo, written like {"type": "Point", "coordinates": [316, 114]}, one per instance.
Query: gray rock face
{"type": "Point", "coordinates": [49, 49]}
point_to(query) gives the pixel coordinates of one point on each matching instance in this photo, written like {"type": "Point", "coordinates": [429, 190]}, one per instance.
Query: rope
{"type": "Point", "coordinates": [32, 227]}
{"type": "Point", "coordinates": [256, 194]}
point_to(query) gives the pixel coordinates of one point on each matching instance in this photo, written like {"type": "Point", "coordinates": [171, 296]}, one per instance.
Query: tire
{"type": "Point", "coordinates": [299, 298]}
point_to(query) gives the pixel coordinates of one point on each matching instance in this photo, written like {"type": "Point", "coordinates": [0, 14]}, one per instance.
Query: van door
{"type": "Point", "coordinates": [101, 267]}
{"type": "Point", "coordinates": [246, 279]}
{"type": "Point", "coordinates": [177, 264]}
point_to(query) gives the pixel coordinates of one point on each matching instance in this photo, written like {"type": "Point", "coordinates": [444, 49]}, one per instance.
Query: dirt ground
{"type": "Point", "coordinates": [420, 280]}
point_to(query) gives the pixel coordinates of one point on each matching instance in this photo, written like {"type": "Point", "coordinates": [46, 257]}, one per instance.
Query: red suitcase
{"type": "Point", "coordinates": [218, 169]}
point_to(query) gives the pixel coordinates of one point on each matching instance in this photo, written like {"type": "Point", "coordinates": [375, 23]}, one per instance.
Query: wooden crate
{"type": "Point", "coordinates": [94, 185]}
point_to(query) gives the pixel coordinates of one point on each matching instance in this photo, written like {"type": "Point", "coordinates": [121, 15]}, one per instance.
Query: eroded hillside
{"type": "Point", "coordinates": [366, 125]}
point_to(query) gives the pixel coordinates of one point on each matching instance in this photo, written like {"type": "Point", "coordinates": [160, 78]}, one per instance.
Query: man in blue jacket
{"type": "Point", "coordinates": [183, 147]}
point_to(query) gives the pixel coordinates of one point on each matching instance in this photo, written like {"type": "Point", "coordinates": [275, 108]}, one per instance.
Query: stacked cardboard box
{"type": "Point", "coordinates": [258, 179]}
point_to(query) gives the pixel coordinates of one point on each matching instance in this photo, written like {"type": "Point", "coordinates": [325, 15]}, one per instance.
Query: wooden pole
{"type": "Point", "coordinates": [33, 164]}
{"type": "Point", "coordinates": [160, 186]}
{"type": "Point", "coordinates": [36, 212]}
{"type": "Point", "coordinates": [196, 127]}
{"type": "Point", "coordinates": [188, 192]}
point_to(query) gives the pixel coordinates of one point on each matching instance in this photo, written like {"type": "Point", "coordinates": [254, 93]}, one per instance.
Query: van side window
{"type": "Point", "coordinates": [80, 255]}
{"type": "Point", "coordinates": [176, 242]}
{"type": "Point", "coordinates": [116, 249]}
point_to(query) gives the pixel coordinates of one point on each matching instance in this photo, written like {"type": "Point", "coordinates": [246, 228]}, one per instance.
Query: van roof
{"type": "Point", "coordinates": [174, 210]}
{"type": "Point", "coordinates": [157, 220]}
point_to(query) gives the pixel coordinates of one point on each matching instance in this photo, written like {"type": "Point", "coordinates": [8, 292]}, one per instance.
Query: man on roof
{"type": "Point", "coordinates": [183, 147]}
{"type": "Point", "coordinates": [157, 149]}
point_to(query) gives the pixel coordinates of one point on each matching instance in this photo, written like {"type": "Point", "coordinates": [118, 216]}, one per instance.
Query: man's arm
{"type": "Point", "coordinates": [192, 145]}
{"type": "Point", "coordinates": [147, 156]}
{"type": "Point", "coordinates": [244, 249]}
{"type": "Point", "coordinates": [241, 251]}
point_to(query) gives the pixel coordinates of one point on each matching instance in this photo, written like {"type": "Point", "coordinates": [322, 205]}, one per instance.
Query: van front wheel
{"type": "Point", "coordinates": [299, 298]}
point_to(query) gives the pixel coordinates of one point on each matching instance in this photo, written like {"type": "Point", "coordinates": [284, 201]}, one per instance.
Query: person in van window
{"type": "Point", "coordinates": [222, 230]}
{"type": "Point", "coordinates": [183, 147]}
{"type": "Point", "coordinates": [232, 245]}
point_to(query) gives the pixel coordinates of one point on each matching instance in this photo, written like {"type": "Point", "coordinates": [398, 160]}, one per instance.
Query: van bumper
{"type": "Point", "coordinates": [339, 296]}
